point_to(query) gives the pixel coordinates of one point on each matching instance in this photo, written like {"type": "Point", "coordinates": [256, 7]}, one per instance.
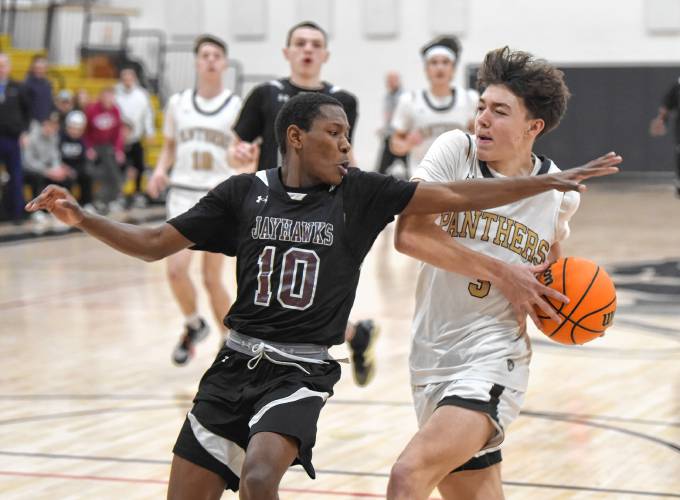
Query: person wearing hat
{"type": "Point", "coordinates": [197, 132]}
{"type": "Point", "coordinates": [423, 115]}
{"type": "Point", "coordinates": [72, 151]}
{"type": "Point", "coordinates": [64, 105]}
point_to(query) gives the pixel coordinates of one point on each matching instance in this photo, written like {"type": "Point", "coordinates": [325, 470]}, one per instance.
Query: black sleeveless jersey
{"type": "Point", "coordinates": [263, 104]}
{"type": "Point", "coordinates": [299, 251]}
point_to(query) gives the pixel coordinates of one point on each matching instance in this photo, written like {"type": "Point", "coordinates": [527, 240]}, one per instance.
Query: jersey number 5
{"type": "Point", "coordinates": [297, 282]}
{"type": "Point", "coordinates": [480, 289]}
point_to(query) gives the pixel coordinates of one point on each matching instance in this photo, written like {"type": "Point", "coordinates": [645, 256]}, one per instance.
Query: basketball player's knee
{"type": "Point", "coordinates": [258, 481]}
{"type": "Point", "coordinates": [177, 273]}
{"type": "Point", "coordinates": [212, 282]}
{"type": "Point", "coordinates": [404, 478]}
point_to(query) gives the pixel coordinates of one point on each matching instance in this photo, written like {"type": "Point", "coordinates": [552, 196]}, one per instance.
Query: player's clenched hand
{"type": "Point", "coordinates": [59, 202]}
{"type": "Point", "coordinates": [570, 180]}
{"type": "Point", "coordinates": [524, 292]}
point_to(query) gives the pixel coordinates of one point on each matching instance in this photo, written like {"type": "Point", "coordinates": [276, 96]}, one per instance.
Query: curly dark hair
{"type": "Point", "coordinates": [540, 84]}
{"type": "Point", "coordinates": [300, 110]}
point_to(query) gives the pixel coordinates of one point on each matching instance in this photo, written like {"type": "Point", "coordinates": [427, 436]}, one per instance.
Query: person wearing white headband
{"type": "Point", "coordinates": [423, 115]}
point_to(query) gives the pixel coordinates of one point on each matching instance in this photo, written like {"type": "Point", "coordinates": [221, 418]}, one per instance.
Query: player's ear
{"type": "Point", "coordinates": [294, 137]}
{"type": "Point", "coordinates": [536, 126]}
{"type": "Point", "coordinates": [325, 59]}
{"type": "Point", "coordinates": [285, 53]}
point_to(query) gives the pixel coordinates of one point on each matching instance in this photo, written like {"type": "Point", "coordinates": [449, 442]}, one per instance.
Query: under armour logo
{"type": "Point", "coordinates": [261, 199]}
{"type": "Point", "coordinates": [282, 97]}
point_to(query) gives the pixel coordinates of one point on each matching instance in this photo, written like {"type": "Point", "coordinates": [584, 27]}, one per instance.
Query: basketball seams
{"type": "Point", "coordinates": [583, 296]}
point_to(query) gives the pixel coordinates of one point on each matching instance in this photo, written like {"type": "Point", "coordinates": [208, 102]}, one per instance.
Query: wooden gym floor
{"type": "Point", "coordinates": [90, 404]}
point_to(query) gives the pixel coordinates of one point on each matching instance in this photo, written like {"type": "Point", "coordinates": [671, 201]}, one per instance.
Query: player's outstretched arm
{"type": "Point", "coordinates": [479, 194]}
{"type": "Point", "coordinates": [146, 243]}
{"type": "Point", "coordinates": [419, 237]}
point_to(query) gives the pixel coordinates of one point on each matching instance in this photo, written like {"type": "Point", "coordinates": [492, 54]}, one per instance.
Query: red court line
{"type": "Point", "coordinates": [356, 494]}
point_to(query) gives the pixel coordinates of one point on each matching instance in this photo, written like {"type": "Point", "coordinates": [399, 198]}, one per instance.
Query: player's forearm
{"type": "Point", "coordinates": [137, 241]}
{"type": "Point", "coordinates": [166, 158]}
{"type": "Point", "coordinates": [476, 194]}
{"type": "Point", "coordinates": [419, 237]}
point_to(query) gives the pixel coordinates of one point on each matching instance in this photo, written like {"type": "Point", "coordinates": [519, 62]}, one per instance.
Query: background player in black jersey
{"type": "Point", "coordinates": [306, 51]}
{"type": "Point", "coordinates": [300, 234]}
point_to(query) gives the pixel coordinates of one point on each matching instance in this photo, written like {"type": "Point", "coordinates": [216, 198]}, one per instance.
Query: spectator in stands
{"type": "Point", "coordinates": [81, 100]}
{"type": "Point", "coordinates": [64, 104]}
{"type": "Point", "coordinates": [39, 89]}
{"type": "Point", "coordinates": [72, 151]}
{"type": "Point", "coordinates": [135, 108]}
{"type": "Point", "coordinates": [103, 140]}
{"type": "Point", "coordinates": [14, 120]}
{"type": "Point", "coordinates": [42, 163]}
{"type": "Point", "coordinates": [670, 105]}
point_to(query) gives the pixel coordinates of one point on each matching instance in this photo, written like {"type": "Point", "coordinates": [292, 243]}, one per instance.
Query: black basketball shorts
{"type": "Point", "coordinates": [234, 403]}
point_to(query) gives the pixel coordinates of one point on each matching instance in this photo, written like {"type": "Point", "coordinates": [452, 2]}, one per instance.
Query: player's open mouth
{"type": "Point", "coordinates": [343, 167]}
{"type": "Point", "coordinates": [307, 60]}
{"type": "Point", "coordinates": [484, 139]}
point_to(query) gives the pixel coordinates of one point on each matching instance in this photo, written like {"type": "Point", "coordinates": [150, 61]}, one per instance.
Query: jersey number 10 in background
{"type": "Point", "coordinates": [297, 283]}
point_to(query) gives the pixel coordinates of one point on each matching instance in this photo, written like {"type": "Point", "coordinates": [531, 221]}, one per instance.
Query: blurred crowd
{"type": "Point", "coordinates": [88, 144]}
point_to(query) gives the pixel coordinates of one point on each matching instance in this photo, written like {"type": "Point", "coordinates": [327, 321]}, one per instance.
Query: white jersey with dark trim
{"type": "Point", "coordinates": [465, 328]}
{"type": "Point", "coordinates": [202, 131]}
{"type": "Point", "coordinates": [420, 111]}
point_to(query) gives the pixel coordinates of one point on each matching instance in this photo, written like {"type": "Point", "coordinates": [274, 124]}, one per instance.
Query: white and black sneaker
{"type": "Point", "coordinates": [187, 344]}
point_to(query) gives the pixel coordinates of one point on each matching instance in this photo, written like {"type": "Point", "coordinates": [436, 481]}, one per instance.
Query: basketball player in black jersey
{"type": "Point", "coordinates": [300, 233]}
{"type": "Point", "coordinates": [306, 51]}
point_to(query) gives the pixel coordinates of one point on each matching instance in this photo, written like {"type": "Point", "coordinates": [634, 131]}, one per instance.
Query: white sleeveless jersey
{"type": "Point", "coordinates": [464, 328]}
{"type": "Point", "coordinates": [202, 130]}
{"type": "Point", "coordinates": [420, 111]}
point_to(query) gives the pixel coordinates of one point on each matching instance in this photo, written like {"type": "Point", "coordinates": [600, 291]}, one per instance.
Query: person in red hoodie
{"type": "Point", "coordinates": [104, 144]}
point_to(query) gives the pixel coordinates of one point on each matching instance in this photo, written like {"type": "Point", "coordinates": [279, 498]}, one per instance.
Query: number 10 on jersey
{"type": "Point", "coordinates": [297, 281]}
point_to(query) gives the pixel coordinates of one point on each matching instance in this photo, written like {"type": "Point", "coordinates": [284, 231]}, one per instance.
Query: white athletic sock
{"type": "Point", "coordinates": [193, 321]}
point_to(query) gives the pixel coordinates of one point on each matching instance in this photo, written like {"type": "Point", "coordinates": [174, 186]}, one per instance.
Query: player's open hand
{"type": "Point", "coordinates": [570, 180]}
{"type": "Point", "coordinates": [524, 292]}
{"type": "Point", "coordinates": [60, 203]}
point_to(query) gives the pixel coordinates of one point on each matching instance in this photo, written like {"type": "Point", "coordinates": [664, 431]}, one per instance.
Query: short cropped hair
{"type": "Point", "coordinates": [300, 110]}
{"type": "Point", "coordinates": [306, 24]}
{"type": "Point", "coordinates": [208, 38]}
{"type": "Point", "coordinates": [538, 83]}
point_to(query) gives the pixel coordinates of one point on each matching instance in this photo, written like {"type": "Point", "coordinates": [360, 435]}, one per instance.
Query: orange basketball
{"type": "Point", "coordinates": [592, 301]}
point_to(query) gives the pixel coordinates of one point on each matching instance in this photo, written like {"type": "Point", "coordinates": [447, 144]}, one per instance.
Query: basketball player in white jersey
{"type": "Point", "coordinates": [197, 132]}
{"type": "Point", "coordinates": [423, 115]}
{"type": "Point", "coordinates": [470, 352]}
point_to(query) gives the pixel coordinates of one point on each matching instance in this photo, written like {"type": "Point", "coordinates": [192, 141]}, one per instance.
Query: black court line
{"type": "Point", "coordinates": [547, 415]}
{"type": "Point", "coordinates": [339, 472]}
{"type": "Point", "coordinates": [673, 446]}
{"type": "Point", "coordinates": [187, 400]}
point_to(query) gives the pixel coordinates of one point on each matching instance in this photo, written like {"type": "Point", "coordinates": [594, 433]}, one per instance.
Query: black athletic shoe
{"type": "Point", "coordinates": [361, 345]}
{"type": "Point", "coordinates": [185, 349]}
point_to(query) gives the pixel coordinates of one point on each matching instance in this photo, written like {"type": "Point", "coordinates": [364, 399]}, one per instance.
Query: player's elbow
{"type": "Point", "coordinates": [405, 237]}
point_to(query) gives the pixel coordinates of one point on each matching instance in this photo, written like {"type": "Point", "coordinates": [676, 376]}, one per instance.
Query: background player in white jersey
{"type": "Point", "coordinates": [306, 52]}
{"type": "Point", "coordinates": [423, 115]}
{"type": "Point", "coordinates": [470, 352]}
{"type": "Point", "coordinates": [197, 132]}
